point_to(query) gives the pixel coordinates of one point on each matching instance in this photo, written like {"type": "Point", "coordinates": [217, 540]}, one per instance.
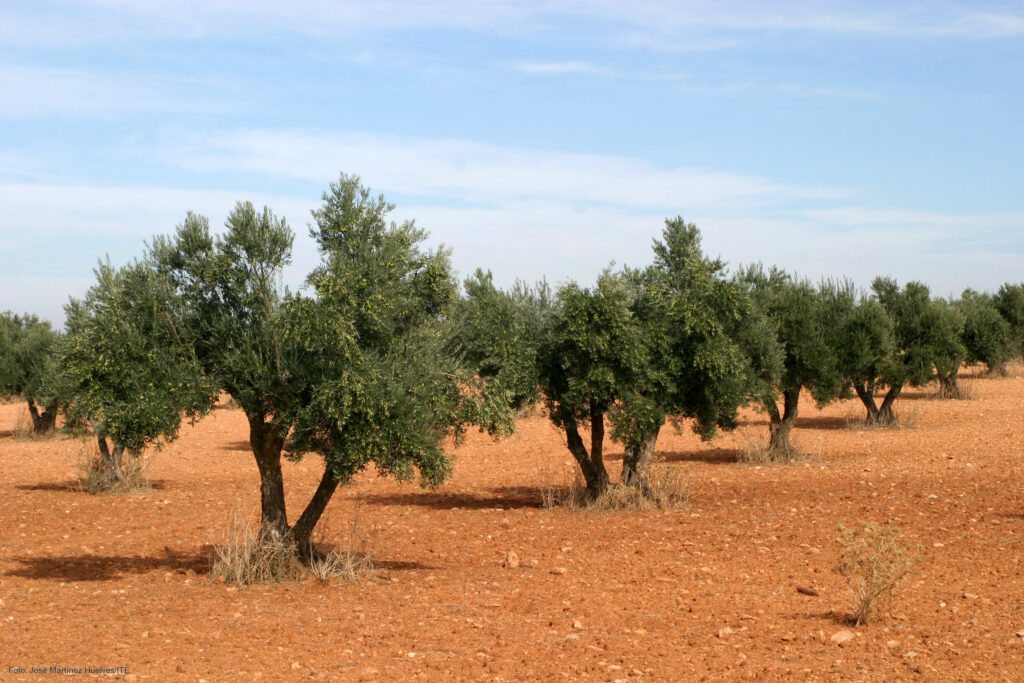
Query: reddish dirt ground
{"type": "Point", "coordinates": [122, 580]}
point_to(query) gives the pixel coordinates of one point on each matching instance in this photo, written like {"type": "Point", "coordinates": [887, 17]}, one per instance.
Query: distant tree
{"type": "Point", "coordinates": [893, 341]}
{"type": "Point", "coordinates": [947, 364]}
{"type": "Point", "coordinates": [986, 336]}
{"type": "Point", "coordinates": [28, 367]}
{"type": "Point", "coordinates": [358, 372]}
{"type": "Point", "coordinates": [806, 322]}
{"type": "Point", "coordinates": [129, 372]}
{"type": "Point", "coordinates": [1009, 301]}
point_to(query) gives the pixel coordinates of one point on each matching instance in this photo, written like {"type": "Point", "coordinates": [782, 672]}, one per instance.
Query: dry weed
{"type": "Point", "coordinates": [873, 561]}
{"type": "Point", "coordinates": [351, 560]}
{"type": "Point", "coordinates": [94, 478]}
{"type": "Point", "coordinates": [666, 488]}
{"type": "Point", "coordinates": [249, 555]}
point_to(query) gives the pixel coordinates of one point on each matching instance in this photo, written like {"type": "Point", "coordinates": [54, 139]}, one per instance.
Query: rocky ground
{"type": "Point", "coordinates": [708, 591]}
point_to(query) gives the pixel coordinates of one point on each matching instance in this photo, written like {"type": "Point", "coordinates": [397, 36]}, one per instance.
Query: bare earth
{"type": "Point", "coordinates": [705, 592]}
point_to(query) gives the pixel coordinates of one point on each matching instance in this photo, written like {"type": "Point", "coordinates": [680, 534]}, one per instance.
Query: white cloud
{"type": "Point", "coordinates": [476, 172]}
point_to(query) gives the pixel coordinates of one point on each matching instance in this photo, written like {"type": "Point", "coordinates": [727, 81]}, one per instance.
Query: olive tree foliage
{"type": "Point", "coordinates": [127, 368]}
{"type": "Point", "coordinates": [893, 340]}
{"type": "Point", "coordinates": [357, 371]}
{"type": "Point", "coordinates": [1009, 302]}
{"type": "Point", "coordinates": [704, 350]}
{"type": "Point", "coordinates": [947, 365]}
{"type": "Point", "coordinates": [986, 336]}
{"type": "Point", "coordinates": [806, 321]}
{"type": "Point", "coordinates": [28, 367]}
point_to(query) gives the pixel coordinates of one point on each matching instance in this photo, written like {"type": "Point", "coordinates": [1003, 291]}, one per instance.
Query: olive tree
{"type": "Point", "coordinates": [358, 370]}
{"type": "Point", "coordinates": [127, 369]}
{"type": "Point", "coordinates": [806, 322]}
{"type": "Point", "coordinates": [1009, 301]}
{"type": "Point", "coordinates": [986, 336]}
{"type": "Point", "coordinates": [28, 367]}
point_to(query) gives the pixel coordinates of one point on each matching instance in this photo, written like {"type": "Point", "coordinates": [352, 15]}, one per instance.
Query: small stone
{"type": "Point", "coordinates": [910, 655]}
{"type": "Point", "coordinates": [559, 570]}
{"type": "Point", "coordinates": [511, 560]}
{"type": "Point", "coordinates": [1020, 634]}
{"type": "Point", "coordinates": [804, 590]}
{"type": "Point", "coordinates": [842, 637]}
{"type": "Point", "coordinates": [725, 632]}
{"type": "Point", "coordinates": [892, 644]}
{"type": "Point", "coordinates": [938, 545]}
{"type": "Point", "coordinates": [577, 624]}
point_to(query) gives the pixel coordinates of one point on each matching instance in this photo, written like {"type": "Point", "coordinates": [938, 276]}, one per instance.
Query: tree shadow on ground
{"type": "Point", "coordinates": [838, 618]}
{"type": "Point", "coordinates": [6, 433]}
{"type": "Point", "coordinates": [239, 446]}
{"type": "Point", "coordinates": [74, 485]}
{"type": "Point", "coordinates": [822, 422]}
{"type": "Point", "coordinates": [714, 456]}
{"type": "Point", "coordinates": [91, 567]}
{"type": "Point", "coordinates": [502, 497]}
{"type": "Point", "coordinates": [401, 566]}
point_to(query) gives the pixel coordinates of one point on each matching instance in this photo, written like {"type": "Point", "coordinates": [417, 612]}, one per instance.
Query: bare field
{"type": "Point", "coordinates": [704, 592]}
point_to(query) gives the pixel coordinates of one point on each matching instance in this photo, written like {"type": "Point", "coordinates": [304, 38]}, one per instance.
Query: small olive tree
{"type": "Point", "coordinates": [1009, 301]}
{"type": "Point", "coordinates": [986, 336]}
{"type": "Point", "coordinates": [29, 368]}
{"type": "Point", "coordinates": [129, 372]}
{"type": "Point", "coordinates": [806, 322]}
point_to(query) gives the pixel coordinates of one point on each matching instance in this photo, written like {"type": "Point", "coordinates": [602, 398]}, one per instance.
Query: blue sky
{"type": "Point", "coordinates": [533, 138]}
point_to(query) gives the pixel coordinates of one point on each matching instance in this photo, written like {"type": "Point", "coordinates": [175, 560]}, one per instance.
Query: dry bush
{"type": "Point", "coordinates": [904, 419]}
{"type": "Point", "coordinates": [666, 488]}
{"type": "Point", "coordinates": [94, 478]}
{"type": "Point", "coordinates": [756, 452]}
{"type": "Point", "coordinates": [351, 560]}
{"type": "Point", "coordinates": [873, 561]}
{"type": "Point", "coordinates": [249, 555]}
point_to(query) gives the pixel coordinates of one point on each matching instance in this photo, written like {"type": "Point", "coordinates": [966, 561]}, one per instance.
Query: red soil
{"type": "Point", "coordinates": [122, 580]}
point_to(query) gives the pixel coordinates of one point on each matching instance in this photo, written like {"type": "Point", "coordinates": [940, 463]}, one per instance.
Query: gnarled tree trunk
{"type": "Point", "coordinates": [592, 463]}
{"type": "Point", "coordinates": [882, 416]}
{"type": "Point", "coordinates": [949, 385]}
{"type": "Point", "coordinates": [266, 441]}
{"type": "Point", "coordinates": [302, 532]}
{"type": "Point", "coordinates": [780, 425]}
{"type": "Point", "coordinates": [636, 462]}
{"type": "Point", "coordinates": [45, 421]}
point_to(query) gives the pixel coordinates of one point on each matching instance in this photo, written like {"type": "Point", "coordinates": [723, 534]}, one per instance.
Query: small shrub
{"type": "Point", "coordinates": [963, 390]}
{"type": "Point", "coordinates": [249, 555]}
{"type": "Point", "coordinates": [873, 561]}
{"type": "Point", "coordinates": [755, 452]}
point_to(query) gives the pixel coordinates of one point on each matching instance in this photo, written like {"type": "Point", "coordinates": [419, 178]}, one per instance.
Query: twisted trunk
{"type": "Point", "coordinates": [949, 385]}
{"type": "Point", "coordinates": [302, 532]}
{"type": "Point", "coordinates": [592, 463]}
{"type": "Point", "coordinates": [44, 422]}
{"type": "Point", "coordinates": [882, 416]}
{"type": "Point", "coordinates": [267, 440]}
{"type": "Point", "coordinates": [636, 461]}
{"type": "Point", "coordinates": [780, 425]}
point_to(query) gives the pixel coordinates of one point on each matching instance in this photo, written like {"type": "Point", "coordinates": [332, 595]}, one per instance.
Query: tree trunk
{"type": "Point", "coordinates": [266, 442]}
{"type": "Point", "coordinates": [866, 393]}
{"type": "Point", "coordinates": [949, 385]}
{"type": "Point", "coordinates": [998, 370]}
{"type": "Point", "coordinates": [780, 426]}
{"type": "Point", "coordinates": [636, 462]}
{"type": "Point", "coordinates": [302, 532]}
{"type": "Point", "coordinates": [594, 473]}
{"type": "Point", "coordinates": [886, 416]}
{"type": "Point", "coordinates": [45, 422]}
{"type": "Point", "coordinates": [111, 460]}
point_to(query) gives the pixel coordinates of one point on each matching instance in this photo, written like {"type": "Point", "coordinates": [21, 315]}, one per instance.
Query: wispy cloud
{"type": "Point", "coordinates": [569, 67]}
{"type": "Point", "coordinates": [475, 172]}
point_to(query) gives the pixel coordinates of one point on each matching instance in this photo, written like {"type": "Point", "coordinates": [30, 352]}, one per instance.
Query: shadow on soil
{"type": "Point", "coordinates": [239, 446]}
{"type": "Point", "coordinates": [714, 456]}
{"type": "Point", "coordinates": [103, 568]}
{"type": "Point", "coordinates": [504, 497]}
{"type": "Point", "coordinates": [6, 433]}
{"type": "Point", "coordinates": [822, 422]}
{"type": "Point", "coordinates": [76, 486]}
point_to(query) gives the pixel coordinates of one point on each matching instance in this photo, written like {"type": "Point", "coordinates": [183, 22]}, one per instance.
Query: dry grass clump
{"type": "Point", "coordinates": [666, 488]}
{"type": "Point", "coordinates": [874, 561]}
{"type": "Point", "coordinates": [350, 560]}
{"type": "Point", "coordinates": [902, 419]}
{"type": "Point", "coordinates": [94, 478]}
{"type": "Point", "coordinates": [965, 389]}
{"type": "Point", "coordinates": [249, 555]}
{"type": "Point", "coordinates": [755, 452]}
